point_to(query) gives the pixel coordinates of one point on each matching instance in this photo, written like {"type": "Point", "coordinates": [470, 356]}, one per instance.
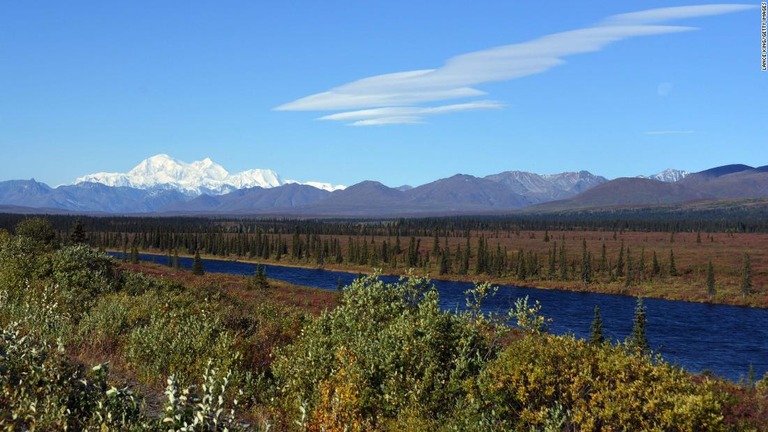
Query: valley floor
{"type": "Point", "coordinates": [691, 253]}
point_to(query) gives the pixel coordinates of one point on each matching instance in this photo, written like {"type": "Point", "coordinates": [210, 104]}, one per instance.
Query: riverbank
{"type": "Point", "coordinates": [682, 288]}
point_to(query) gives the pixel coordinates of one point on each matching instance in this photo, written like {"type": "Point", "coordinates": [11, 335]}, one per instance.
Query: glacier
{"type": "Point", "coordinates": [162, 171]}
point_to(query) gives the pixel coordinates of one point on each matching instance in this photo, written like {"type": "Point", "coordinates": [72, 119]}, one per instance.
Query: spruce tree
{"type": "Point", "coordinates": [78, 233]}
{"type": "Point", "coordinates": [638, 342]}
{"type": "Point", "coordinates": [603, 259]}
{"type": "Point", "coordinates": [641, 270]}
{"type": "Point", "coordinates": [655, 267]}
{"type": "Point", "coordinates": [261, 276]}
{"type": "Point", "coordinates": [197, 265]}
{"type": "Point", "coordinates": [444, 262]}
{"type": "Point", "coordinates": [672, 268]}
{"type": "Point", "coordinates": [630, 276]}
{"type": "Point", "coordinates": [596, 336]}
{"type": "Point", "coordinates": [710, 279]}
{"type": "Point", "coordinates": [586, 264]}
{"type": "Point", "coordinates": [134, 255]}
{"type": "Point", "coordinates": [563, 263]}
{"type": "Point", "coordinates": [551, 261]}
{"type": "Point", "coordinates": [522, 268]}
{"type": "Point", "coordinates": [620, 261]}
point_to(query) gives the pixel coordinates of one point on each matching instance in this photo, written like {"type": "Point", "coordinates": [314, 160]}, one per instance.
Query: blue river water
{"type": "Point", "coordinates": [699, 337]}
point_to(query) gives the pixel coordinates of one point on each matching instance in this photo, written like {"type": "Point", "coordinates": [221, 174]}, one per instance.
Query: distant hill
{"type": "Point", "coordinates": [505, 192]}
{"type": "Point", "coordinates": [251, 200]}
{"type": "Point", "coordinates": [725, 182]}
{"type": "Point", "coordinates": [542, 188]}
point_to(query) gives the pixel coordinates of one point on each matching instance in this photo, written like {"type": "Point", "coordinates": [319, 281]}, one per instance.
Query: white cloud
{"type": "Point", "coordinates": [674, 13]}
{"type": "Point", "coordinates": [406, 115]}
{"type": "Point", "coordinates": [404, 91]}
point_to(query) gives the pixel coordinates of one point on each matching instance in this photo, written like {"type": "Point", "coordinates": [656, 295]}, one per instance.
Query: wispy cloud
{"type": "Point", "coordinates": [394, 115]}
{"type": "Point", "coordinates": [400, 97]}
{"type": "Point", "coordinates": [670, 132]}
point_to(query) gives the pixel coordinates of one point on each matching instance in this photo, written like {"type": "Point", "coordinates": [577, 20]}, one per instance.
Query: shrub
{"type": "Point", "coordinates": [82, 274]}
{"type": "Point", "coordinates": [179, 341]}
{"type": "Point", "coordinates": [591, 387]}
{"type": "Point", "coordinates": [41, 389]}
{"type": "Point", "coordinates": [387, 353]}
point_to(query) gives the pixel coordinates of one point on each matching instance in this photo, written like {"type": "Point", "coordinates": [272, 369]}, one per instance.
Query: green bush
{"type": "Point", "coordinates": [387, 355]}
{"type": "Point", "coordinates": [590, 387]}
{"type": "Point", "coordinates": [41, 389]}
{"type": "Point", "coordinates": [179, 341]}
{"type": "Point", "coordinates": [82, 274]}
{"type": "Point", "coordinates": [22, 262]}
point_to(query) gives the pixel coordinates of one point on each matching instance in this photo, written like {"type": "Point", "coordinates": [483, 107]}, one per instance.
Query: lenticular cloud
{"type": "Point", "coordinates": [404, 97]}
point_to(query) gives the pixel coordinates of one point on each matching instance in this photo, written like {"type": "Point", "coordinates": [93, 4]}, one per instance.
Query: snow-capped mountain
{"type": "Point", "coordinates": [547, 186]}
{"type": "Point", "coordinates": [669, 175]}
{"type": "Point", "coordinates": [200, 177]}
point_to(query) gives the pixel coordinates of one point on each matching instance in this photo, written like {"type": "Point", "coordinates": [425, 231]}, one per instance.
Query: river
{"type": "Point", "coordinates": [722, 339]}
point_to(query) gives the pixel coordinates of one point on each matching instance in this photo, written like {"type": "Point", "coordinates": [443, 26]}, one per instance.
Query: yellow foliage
{"type": "Point", "coordinates": [339, 408]}
{"type": "Point", "coordinates": [599, 388]}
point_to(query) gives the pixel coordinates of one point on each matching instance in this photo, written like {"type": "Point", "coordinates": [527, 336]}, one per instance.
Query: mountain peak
{"type": "Point", "coordinates": [199, 177]}
{"type": "Point", "coordinates": [669, 175]}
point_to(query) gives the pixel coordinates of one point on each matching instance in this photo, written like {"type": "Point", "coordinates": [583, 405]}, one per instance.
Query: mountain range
{"type": "Point", "coordinates": [163, 185]}
{"type": "Point", "coordinates": [196, 178]}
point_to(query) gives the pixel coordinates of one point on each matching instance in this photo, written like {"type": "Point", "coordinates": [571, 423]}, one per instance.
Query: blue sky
{"type": "Point", "coordinates": [304, 87]}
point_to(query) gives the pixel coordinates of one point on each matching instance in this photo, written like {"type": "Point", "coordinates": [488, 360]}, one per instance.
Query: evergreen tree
{"type": "Point", "coordinates": [638, 342]}
{"type": "Point", "coordinates": [563, 263]}
{"type": "Point", "coordinates": [197, 265]}
{"type": "Point", "coordinates": [444, 261]}
{"type": "Point", "coordinates": [586, 264]}
{"type": "Point", "coordinates": [522, 269]}
{"type": "Point", "coordinates": [640, 273]}
{"type": "Point", "coordinates": [746, 275]}
{"type": "Point", "coordinates": [620, 261]}
{"type": "Point", "coordinates": [384, 251]}
{"type": "Point", "coordinates": [134, 255]}
{"type": "Point", "coordinates": [603, 259]}
{"type": "Point", "coordinates": [462, 270]}
{"type": "Point", "coordinates": [551, 269]}
{"type": "Point", "coordinates": [629, 279]}
{"type": "Point", "coordinates": [78, 233]}
{"type": "Point", "coordinates": [480, 261]}
{"type": "Point", "coordinates": [465, 259]}
{"type": "Point", "coordinates": [176, 259]}
{"type": "Point", "coordinates": [596, 335]}
{"type": "Point", "coordinates": [672, 268]}
{"type": "Point", "coordinates": [261, 276]}
{"type": "Point", "coordinates": [710, 279]}
{"type": "Point", "coordinates": [363, 258]}
{"type": "Point", "coordinates": [655, 267]}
